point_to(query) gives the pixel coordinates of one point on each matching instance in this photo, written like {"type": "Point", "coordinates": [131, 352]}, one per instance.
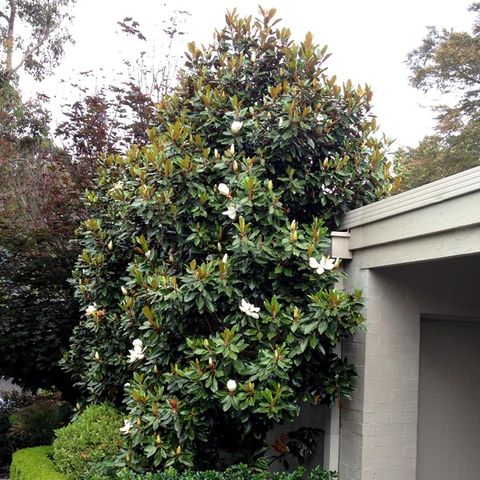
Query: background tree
{"type": "Point", "coordinates": [208, 297]}
{"type": "Point", "coordinates": [41, 185]}
{"type": "Point", "coordinates": [33, 34]}
{"type": "Point", "coordinates": [37, 311]}
{"type": "Point", "coordinates": [449, 62]}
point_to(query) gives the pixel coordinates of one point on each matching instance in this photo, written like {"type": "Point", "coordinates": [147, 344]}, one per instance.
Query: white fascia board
{"type": "Point", "coordinates": [440, 191]}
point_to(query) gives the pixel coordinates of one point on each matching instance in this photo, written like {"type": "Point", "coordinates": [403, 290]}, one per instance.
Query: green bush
{"type": "Point", "coordinates": [208, 297]}
{"type": "Point", "coordinates": [237, 472]}
{"type": "Point", "coordinates": [10, 402]}
{"type": "Point", "coordinates": [35, 424]}
{"type": "Point", "coordinates": [93, 437]}
{"type": "Point", "coordinates": [34, 464]}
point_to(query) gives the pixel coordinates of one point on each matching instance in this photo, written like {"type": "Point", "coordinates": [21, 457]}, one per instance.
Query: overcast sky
{"type": "Point", "coordinates": [368, 39]}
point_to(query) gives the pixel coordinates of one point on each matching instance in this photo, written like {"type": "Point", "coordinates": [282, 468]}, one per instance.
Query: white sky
{"type": "Point", "coordinates": [368, 39]}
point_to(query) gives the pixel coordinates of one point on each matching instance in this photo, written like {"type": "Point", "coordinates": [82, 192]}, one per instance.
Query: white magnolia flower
{"type": "Point", "coordinates": [327, 190]}
{"type": "Point", "coordinates": [91, 310]}
{"type": "Point", "coordinates": [127, 425]}
{"type": "Point", "coordinates": [223, 189]}
{"type": "Point", "coordinates": [225, 258]}
{"type": "Point", "coordinates": [236, 127]}
{"type": "Point", "coordinates": [326, 263]}
{"type": "Point", "coordinates": [231, 211]}
{"type": "Point", "coordinates": [148, 254]}
{"type": "Point", "coordinates": [249, 309]}
{"type": "Point", "coordinates": [117, 187]}
{"type": "Point", "coordinates": [231, 385]}
{"type": "Point", "coordinates": [138, 351]}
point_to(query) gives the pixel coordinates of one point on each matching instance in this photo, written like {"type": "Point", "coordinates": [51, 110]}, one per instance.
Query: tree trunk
{"type": "Point", "coordinates": [9, 40]}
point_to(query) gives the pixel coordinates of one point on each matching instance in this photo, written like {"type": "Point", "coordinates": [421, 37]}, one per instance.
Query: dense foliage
{"type": "Point", "coordinates": [238, 472]}
{"type": "Point", "coordinates": [447, 61]}
{"type": "Point", "coordinates": [37, 311]}
{"type": "Point", "coordinates": [34, 464]}
{"type": "Point", "coordinates": [11, 401]}
{"type": "Point", "coordinates": [208, 296]}
{"type": "Point", "coordinates": [93, 437]}
{"type": "Point", "coordinates": [35, 424]}
{"type": "Point", "coordinates": [41, 186]}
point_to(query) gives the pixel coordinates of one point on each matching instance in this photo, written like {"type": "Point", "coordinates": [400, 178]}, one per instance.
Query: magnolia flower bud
{"type": "Point", "coordinates": [235, 166]}
{"type": "Point", "coordinates": [225, 258]}
{"type": "Point", "coordinates": [231, 386]}
{"type": "Point", "coordinates": [97, 356]}
{"type": "Point", "coordinates": [232, 149]}
{"type": "Point", "coordinates": [216, 154]}
{"type": "Point", "coordinates": [253, 57]}
{"type": "Point", "coordinates": [280, 122]}
{"type": "Point", "coordinates": [110, 245]}
{"type": "Point", "coordinates": [148, 254]}
{"type": "Point", "coordinates": [158, 440]}
{"type": "Point", "coordinates": [178, 451]}
{"type": "Point", "coordinates": [236, 127]}
{"type": "Point", "coordinates": [223, 189]}
{"type": "Point", "coordinates": [270, 185]}
{"type": "Point", "coordinates": [124, 290]}
{"type": "Point", "coordinates": [210, 362]}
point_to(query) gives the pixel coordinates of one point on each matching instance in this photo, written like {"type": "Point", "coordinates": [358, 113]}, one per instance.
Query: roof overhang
{"type": "Point", "coordinates": [438, 220]}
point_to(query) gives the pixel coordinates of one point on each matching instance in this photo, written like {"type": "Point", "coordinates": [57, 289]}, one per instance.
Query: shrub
{"type": "Point", "coordinates": [35, 424]}
{"type": "Point", "coordinates": [34, 464]}
{"type": "Point", "coordinates": [9, 403]}
{"type": "Point", "coordinates": [37, 314]}
{"type": "Point", "coordinates": [238, 472]}
{"type": "Point", "coordinates": [204, 279]}
{"type": "Point", "coordinates": [93, 437]}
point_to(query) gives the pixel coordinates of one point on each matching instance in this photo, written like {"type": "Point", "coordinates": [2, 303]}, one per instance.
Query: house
{"type": "Point", "coordinates": [415, 413]}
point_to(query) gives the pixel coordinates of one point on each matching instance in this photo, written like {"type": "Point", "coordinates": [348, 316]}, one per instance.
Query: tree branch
{"type": "Point", "coordinates": [32, 49]}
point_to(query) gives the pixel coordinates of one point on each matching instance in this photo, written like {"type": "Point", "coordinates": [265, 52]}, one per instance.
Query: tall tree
{"type": "Point", "coordinates": [36, 183]}
{"type": "Point", "coordinates": [40, 45]}
{"type": "Point", "coordinates": [449, 62]}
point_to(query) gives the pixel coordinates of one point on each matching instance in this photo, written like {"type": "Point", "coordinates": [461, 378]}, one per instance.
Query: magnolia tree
{"type": "Point", "coordinates": [210, 307]}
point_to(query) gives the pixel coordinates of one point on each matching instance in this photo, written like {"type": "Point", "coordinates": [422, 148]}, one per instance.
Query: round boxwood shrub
{"type": "Point", "coordinates": [208, 295]}
{"type": "Point", "coordinates": [92, 438]}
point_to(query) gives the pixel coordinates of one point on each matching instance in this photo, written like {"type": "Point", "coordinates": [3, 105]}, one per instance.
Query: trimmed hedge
{"type": "Point", "coordinates": [34, 464]}
{"type": "Point", "coordinates": [237, 472]}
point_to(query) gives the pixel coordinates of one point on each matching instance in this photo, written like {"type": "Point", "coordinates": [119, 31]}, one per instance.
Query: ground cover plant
{"type": "Point", "coordinates": [208, 296]}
